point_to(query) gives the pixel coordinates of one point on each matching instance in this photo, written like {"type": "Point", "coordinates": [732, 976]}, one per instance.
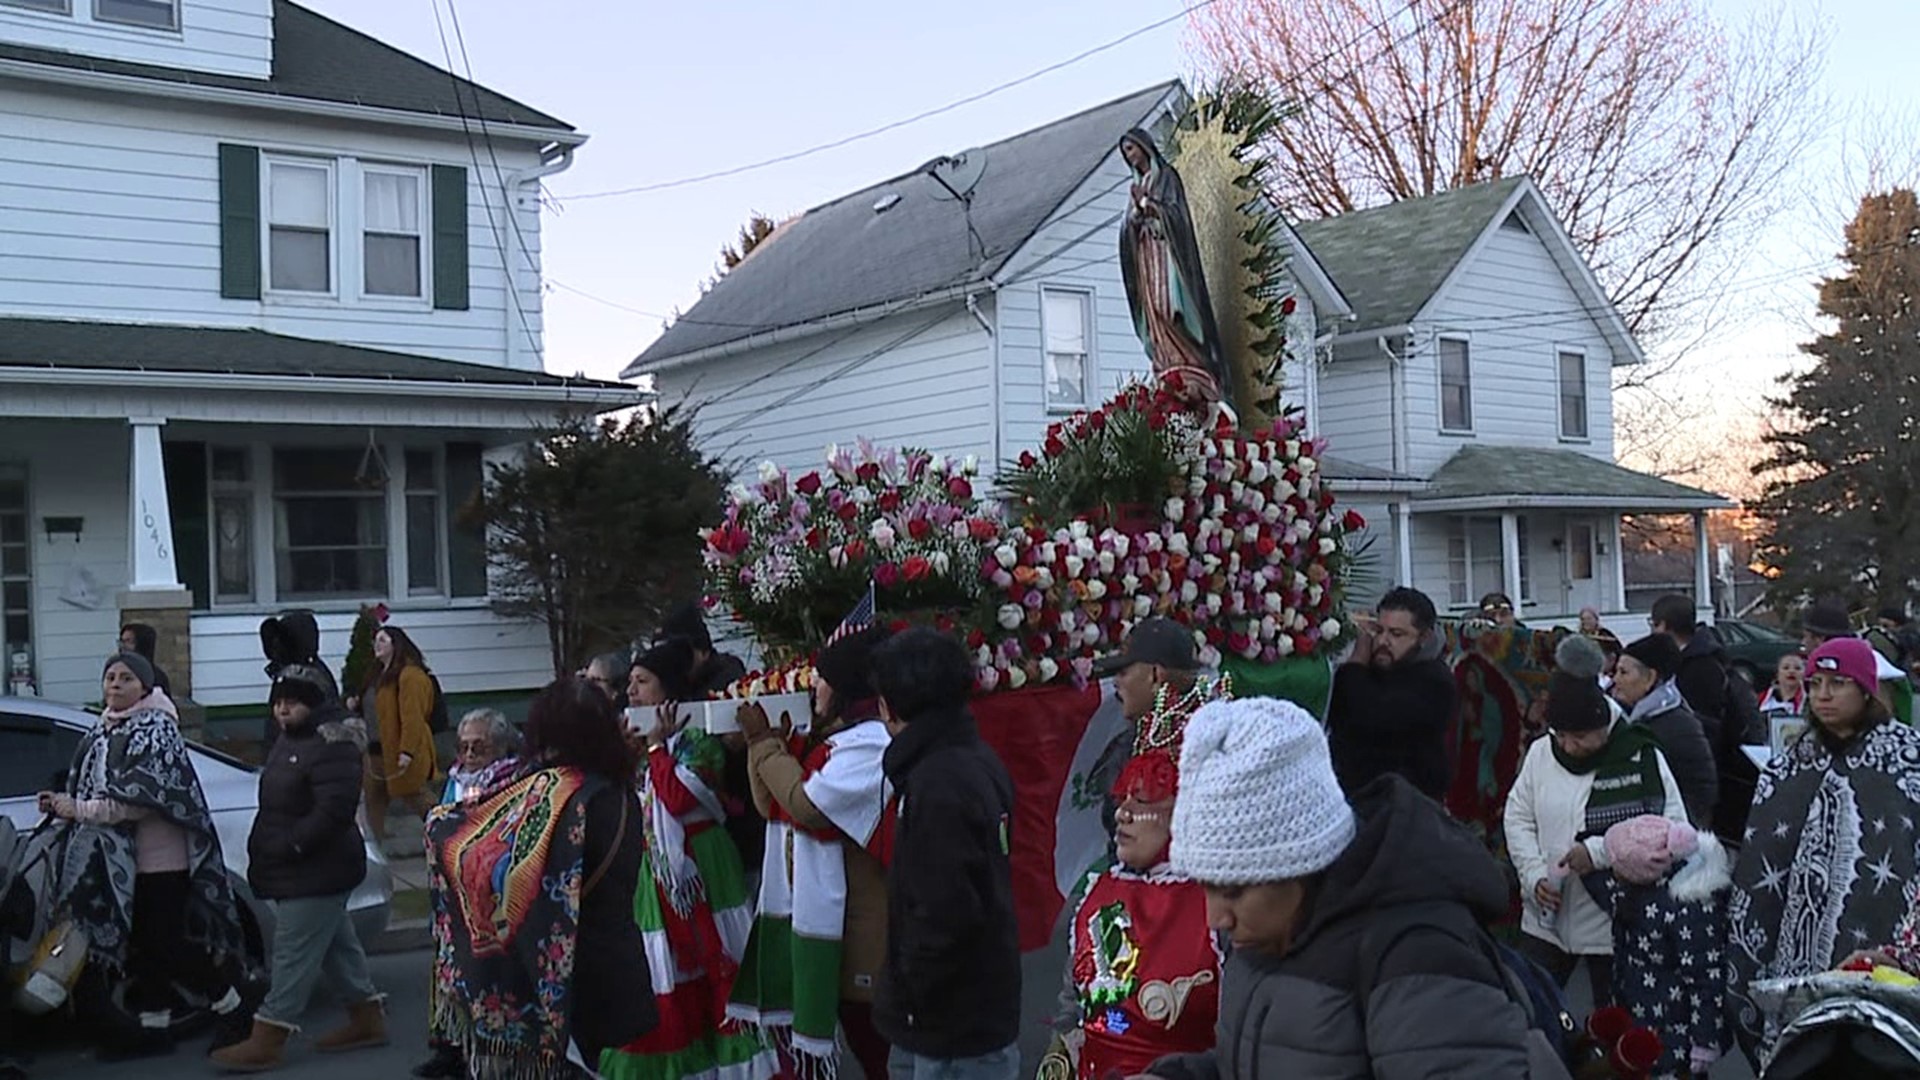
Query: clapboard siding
{"type": "Point", "coordinates": [1356, 411]}
{"type": "Point", "coordinates": [469, 648]}
{"type": "Point", "coordinates": [1517, 311]}
{"type": "Point", "coordinates": [224, 37]}
{"type": "Point", "coordinates": [920, 378]}
{"type": "Point", "coordinates": [109, 210]}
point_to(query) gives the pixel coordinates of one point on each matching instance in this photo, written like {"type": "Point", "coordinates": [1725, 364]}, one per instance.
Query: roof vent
{"type": "Point", "coordinates": [887, 202]}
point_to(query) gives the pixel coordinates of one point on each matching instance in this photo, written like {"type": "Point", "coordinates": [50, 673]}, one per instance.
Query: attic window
{"type": "Point", "coordinates": [57, 7]}
{"type": "Point", "coordinates": [151, 14]}
{"type": "Point", "coordinates": [887, 202]}
{"type": "Point", "coordinates": [1515, 223]}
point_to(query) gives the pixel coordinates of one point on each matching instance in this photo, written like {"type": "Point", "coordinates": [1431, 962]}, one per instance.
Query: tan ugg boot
{"type": "Point", "coordinates": [261, 1051]}
{"type": "Point", "coordinates": [366, 1026]}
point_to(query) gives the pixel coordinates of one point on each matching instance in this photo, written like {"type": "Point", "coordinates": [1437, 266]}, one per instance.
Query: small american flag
{"type": "Point", "coordinates": [860, 618]}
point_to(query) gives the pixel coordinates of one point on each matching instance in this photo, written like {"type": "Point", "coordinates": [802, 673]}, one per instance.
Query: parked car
{"type": "Point", "coordinates": [1754, 650]}
{"type": "Point", "coordinates": [37, 743]}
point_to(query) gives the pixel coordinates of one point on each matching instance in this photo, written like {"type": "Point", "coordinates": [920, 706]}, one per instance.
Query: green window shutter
{"type": "Point", "coordinates": [185, 464]}
{"type": "Point", "coordinates": [466, 542]}
{"type": "Point", "coordinates": [450, 237]}
{"type": "Point", "coordinates": [239, 222]}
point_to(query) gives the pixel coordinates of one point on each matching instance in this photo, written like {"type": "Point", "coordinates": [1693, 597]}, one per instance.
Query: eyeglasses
{"type": "Point", "coordinates": [472, 746]}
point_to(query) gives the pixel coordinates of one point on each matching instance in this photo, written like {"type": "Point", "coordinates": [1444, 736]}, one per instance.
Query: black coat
{"type": "Point", "coordinates": [1683, 741]}
{"type": "Point", "coordinates": [951, 984]}
{"type": "Point", "coordinates": [1392, 721]}
{"type": "Point", "coordinates": [610, 957]}
{"type": "Point", "coordinates": [306, 839]}
{"type": "Point", "coordinates": [1390, 976]}
{"type": "Point", "coordinates": [1702, 679]}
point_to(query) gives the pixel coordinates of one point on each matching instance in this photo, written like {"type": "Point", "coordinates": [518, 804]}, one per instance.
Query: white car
{"type": "Point", "coordinates": [37, 743]}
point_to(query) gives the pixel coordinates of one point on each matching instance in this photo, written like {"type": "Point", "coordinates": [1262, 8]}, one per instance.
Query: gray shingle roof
{"type": "Point", "coordinates": [1494, 471]}
{"type": "Point", "coordinates": [1336, 468]}
{"type": "Point", "coordinates": [317, 59]}
{"type": "Point", "coordinates": [98, 346]}
{"type": "Point", "coordinates": [1389, 260]}
{"type": "Point", "coordinates": [844, 256]}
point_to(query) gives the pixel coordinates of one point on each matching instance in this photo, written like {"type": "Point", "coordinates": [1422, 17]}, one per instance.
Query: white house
{"type": "Point", "coordinates": [269, 295]}
{"type": "Point", "coordinates": [1478, 364]}
{"type": "Point", "coordinates": [964, 305]}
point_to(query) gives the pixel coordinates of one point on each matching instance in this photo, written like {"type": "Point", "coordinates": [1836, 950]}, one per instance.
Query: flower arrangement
{"type": "Point", "coordinates": [1247, 551]}
{"type": "Point", "coordinates": [793, 554]}
{"type": "Point", "coordinates": [1108, 464]}
{"type": "Point", "coordinates": [792, 678]}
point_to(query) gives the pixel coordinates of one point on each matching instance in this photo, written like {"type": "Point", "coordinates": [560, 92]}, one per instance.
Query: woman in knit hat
{"type": "Point", "coordinates": [143, 874]}
{"type": "Point", "coordinates": [697, 914]}
{"type": "Point", "coordinates": [1644, 685]}
{"type": "Point", "coordinates": [1832, 842]}
{"type": "Point", "coordinates": [1143, 964]}
{"type": "Point", "coordinates": [1591, 771]}
{"type": "Point", "coordinates": [1356, 929]}
{"type": "Point", "coordinates": [818, 782]}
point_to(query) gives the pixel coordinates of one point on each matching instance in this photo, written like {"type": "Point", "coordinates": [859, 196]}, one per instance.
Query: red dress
{"type": "Point", "coordinates": [1147, 971]}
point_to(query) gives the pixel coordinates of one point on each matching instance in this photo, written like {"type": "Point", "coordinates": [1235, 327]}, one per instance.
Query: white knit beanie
{"type": "Point", "coordinates": [1258, 800]}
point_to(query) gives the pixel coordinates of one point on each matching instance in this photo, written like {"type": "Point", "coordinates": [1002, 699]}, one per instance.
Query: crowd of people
{"type": "Point", "coordinates": [1283, 895]}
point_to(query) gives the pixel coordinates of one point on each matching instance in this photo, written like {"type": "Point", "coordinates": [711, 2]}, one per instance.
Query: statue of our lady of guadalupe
{"type": "Point", "coordinates": [1166, 288]}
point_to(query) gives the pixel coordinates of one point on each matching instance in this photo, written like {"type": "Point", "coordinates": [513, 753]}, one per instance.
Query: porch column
{"type": "Point", "coordinates": [154, 594]}
{"type": "Point", "coordinates": [1619, 569]}
{"type": "Point", "coordinates": [1510, 556]}
{"type": "Point", "coordinates": [1702, 564]}
{"type": "Point", "coordinates": [1403, 537]}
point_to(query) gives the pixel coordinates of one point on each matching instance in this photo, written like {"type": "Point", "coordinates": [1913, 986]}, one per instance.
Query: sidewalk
{"type": "Point", "coordinates": [408, 928]}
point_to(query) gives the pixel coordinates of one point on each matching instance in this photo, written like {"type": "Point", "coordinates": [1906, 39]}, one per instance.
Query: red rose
{"type": "Point", "coordinates": [868, 471]}
{"type": "Point", "coordinates": [1264, 546]}
{"type": "Point", "coordinates": [856, 550]}
{"type": "Point", "coordinates": [981, 529]}
{"type": "Point", "coordinates": [1216, 635]}
{"type": "Point", "coordinates": [889, 501]}
{"type": "Point", "coordinates": [1302, 645]}
{"type": "Point", "coordinates": [886, 575]}
{"type": "Point", "coordinates": [1352, 520]}
{"type": "Point", "coordinates": [1098, 421]}
{"type": "Point", "coordinates": [1054, 447]}
{"type": "Point", "coordinates": [898, 625]}
{"type": "Point", "coordinates": [1038, 644]}
{"type": "Point", "coordinates": [918, 528]}
{"type": "Point", "coordinates": [916, 568]}
{"type": "Point", "coordinates": [848, 511]}
{"type": "Point", "coordinates": [959, 488]}
{"type": "Point", "coordinates": [943, 623]}
{"type": "Point", "coordinates": [1157, 421]}
{"type": "Point", "coordinates": [1027, 460]}
{"type": "Point", "coordinates": [976, 638]}
{"type": "Point", "coordinates": [808, 484]}
{"type": "Point", "coordinates": [1287, 306]}
{"type": "Point", "coordinates": [815, 538]}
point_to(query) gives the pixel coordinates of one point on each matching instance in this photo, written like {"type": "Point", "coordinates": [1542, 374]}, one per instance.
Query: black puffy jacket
{"type": "Point", "coordinates": [306, 840]}
{"type": "Point", "coordinates": [1392, 720]}
{"type": "Point", "coordinates": [951, 984]}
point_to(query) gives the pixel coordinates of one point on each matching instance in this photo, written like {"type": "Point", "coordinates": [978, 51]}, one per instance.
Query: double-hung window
{"type": "Point", "coordinates": [330, 525]}
{"type": "Point", "coordinates": [424, 523]}
{"type": "Point", "coordinates": [1573, 394]}
{"type": "Point", "coordinates": [1456, 386]}
{"type": "Point", "coordinates": [300, 225]}
{"type": "Point", "coordinates": [1066, 319]}
{"type": "Point", "coordinates": [147, 14]}
{"type": "Point", "coordinates": [393, 247]}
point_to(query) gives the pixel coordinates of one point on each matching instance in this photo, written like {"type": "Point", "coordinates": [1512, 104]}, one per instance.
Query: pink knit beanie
{"type": "Point", "coordinates": [1644, 848]}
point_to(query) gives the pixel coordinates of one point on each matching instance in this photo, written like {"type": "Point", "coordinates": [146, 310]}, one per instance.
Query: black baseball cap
{"type": "Point", "coordinates": [1159, 641]}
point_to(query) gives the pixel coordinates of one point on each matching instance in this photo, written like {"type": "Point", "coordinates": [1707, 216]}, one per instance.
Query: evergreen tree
{"type": "Point", "coordinates": [1843, 490]}
{"type": "Point", "coordinates": [595, 531]}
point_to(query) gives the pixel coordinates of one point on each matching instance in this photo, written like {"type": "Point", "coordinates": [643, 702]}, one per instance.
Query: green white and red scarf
{"type": "Point", "coordinates": [789, 982]}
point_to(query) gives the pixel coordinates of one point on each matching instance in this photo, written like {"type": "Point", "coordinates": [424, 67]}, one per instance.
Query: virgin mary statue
{"type": "Point", "coordinates": [1166, 288]}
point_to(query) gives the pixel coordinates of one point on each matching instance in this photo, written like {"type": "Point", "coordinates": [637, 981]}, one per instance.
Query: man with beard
{"type": "Point", "coordinates": [1393, 700]}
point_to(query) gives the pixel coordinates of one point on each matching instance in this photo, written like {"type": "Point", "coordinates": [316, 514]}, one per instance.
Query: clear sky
{"type": "Point", "coordinates": [668, 91]}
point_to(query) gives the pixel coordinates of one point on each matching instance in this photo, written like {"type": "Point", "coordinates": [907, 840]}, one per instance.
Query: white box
{"type": "Point", "coordinates": [718, 717]}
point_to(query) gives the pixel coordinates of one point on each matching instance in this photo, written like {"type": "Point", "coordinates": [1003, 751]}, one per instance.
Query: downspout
{"type": "Point", "coordinates": [1396, 390]}
{"type": "Point", "coordinates": [993, 383]}
{"type": "Point", "coordinates": [510, 199]}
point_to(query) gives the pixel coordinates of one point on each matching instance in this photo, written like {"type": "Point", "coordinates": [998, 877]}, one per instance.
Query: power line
{"type": "Point", "coordinates": [970, 99]}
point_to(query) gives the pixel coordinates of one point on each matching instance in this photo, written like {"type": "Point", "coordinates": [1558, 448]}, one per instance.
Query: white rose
{"type": "Point", "coordinates": [833, 451]}
{"type": "Point", "coordinates": [1017, 677]}
{"type": "Point", "coordinates": [1096, 589]}
{"type": "Point", "coordinates": [1177, 507]}
{"type": "Point", "coordinates": [1268, 628]}
{"type": "Point", "coordinates": [1226, 449]}
{"type": "Point", "coordinates": [1142, 606]}
{"type": "Point", "coordinates": [1163, 582]}
{"type": "Point", "coordinates": [1011, 616]}
{"type": "Point", "coordinates": [1256, 502]}
{"type": "Point", "coordinates": [1189, 592]}
{"type": "Point", "coordinates": [882, 534]}
{"type": "Point", "coordinates": [1271, 514]}
{"type": "Point", "coordinates": [983, 657]}
{"type": "Point", "coordinates": [1250, 533]}
{"type": "Point", "coordinates": [1068, 621]}
{"type": "Point", "coordinates": [769, 472]}
{"type": "Point", "coordinates": [937, 465]}
{"type": "Point", "coordinates": [1283, 646]}
{"type": "Point", "coordinates": [1236, 491]}
{"type": "Point", "coordinates": [942, 562]}
{"type": "Point", "coordinates": [1213, 603]}
{"type": "Point", "coordinates": [1314, 593]}
{"type": "Point", "coordinates": [1091, 635]}
{"type": "Point", "coordinates": [742, 494]}
{"type": "Point", "coordinates": [1079, 529]}
{"type": "Point", "coordinates": [1075, 566]}
{"type": "Point", "coordinates": [1130, 584]}
{"type": "Point", "coordinates": [1197, 486]}
{"type": "Point", "coordinates": [1330, 629]}
{"type": "Point", "coordinates": [1177, 544]}
{"type": "Point", "coordinates": [1292, 449]}
{"type": "Point", "coordinates": [970, 464]}
{"type": "Point", "coordinates": [1005, 556]}
{"type": "Point", "coordinates": [1085, 548]}
{"type": "Point", "coordinates": [1121, 545]}
{"type": "Point", "coordinates": [1283, 490]}
{"type": "Point", "coordinates": [1307, 465]}
{"type": "Point", "coordinates": [1219, 506]}
{"type": "Point", "coordinates": [861, 495]}
{"type": "Point", "coordinates": [1258, 472]}
{"type": "Point", "coordinates": [1274, 602]}
{"type": "Point", "coordinates": [1049, 668]}
{"type": "Point", "coordinates": [1299, 622]}
{"type": "Point", "coordinates": [1327, 545]}
{"type": "Point", "coordinates": [1048, 552]}
{"type": "Point", "coordinates": [1106, 562]}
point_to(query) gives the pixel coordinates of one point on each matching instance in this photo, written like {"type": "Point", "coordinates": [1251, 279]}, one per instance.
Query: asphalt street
{"type": "Point", "coordinates": [402, 976]}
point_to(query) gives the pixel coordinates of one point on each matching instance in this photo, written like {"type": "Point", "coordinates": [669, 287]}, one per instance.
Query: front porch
{"type": "Point", "coordinates": [203, 500]}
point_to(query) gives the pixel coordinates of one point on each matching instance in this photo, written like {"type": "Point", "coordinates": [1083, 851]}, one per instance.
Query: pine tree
{"type": "Point", "coordinates": [358, 670]}
{"type": "Point", "coordinates": [1843, 491]}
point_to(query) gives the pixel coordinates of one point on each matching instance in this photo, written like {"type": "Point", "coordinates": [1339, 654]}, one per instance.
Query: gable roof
{"type": "Point", "coordinates": [70, 344]}
{"type": "Point", "coordinates": [1490, 476]}
{"type": "Point", "coordinates": [318, 59]}
{"type": "Point", "coordinates": [845, 256]}
{"type": "Point", "coordinates": [1392, 259]}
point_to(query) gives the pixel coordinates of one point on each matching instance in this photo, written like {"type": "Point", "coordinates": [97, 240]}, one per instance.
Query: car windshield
{"type": "Point", "coordinates": [1757, 632]}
